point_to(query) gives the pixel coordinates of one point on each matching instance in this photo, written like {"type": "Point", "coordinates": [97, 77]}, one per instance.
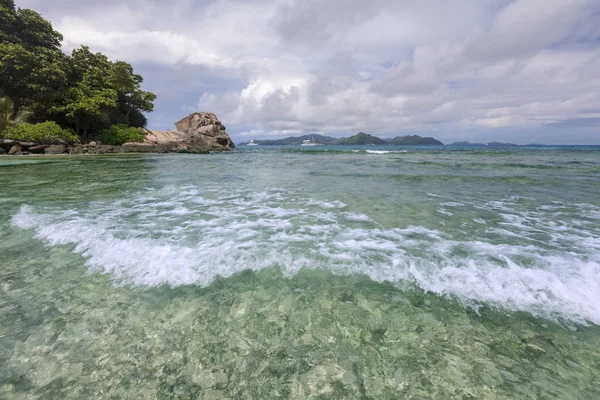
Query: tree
{"type": "Point", "coordinates": [8, 17]}
{"type": "Point", "coordinates": [8, 116]}
{"type": "Point", "coordinates": [88, 102]}
{"type": "Point", "coordinates": [33, 31]}
{"type": "Point", "coordinates": [32, 66]}
{"type": "Point", "coordinates": [85, 90]}
{"type": "Point", "coordinates": [132, 100]}
{"type": "Point", "coordinates": [33, 79]}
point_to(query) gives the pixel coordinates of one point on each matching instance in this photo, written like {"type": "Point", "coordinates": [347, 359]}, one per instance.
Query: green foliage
{"type": "Point", "coordinates": [41, 132]}
{"type": "Point", "coordinates": [119, 134]}
{"type": "Point", "coordinates": [34, 31]}
{"type": "Point", "coordinates": [32, 65]}
{"type": "Point", "coordinates": [85, 90]}
{"type": "Point", "coordinates": [131, 99]}
{"type": "Point", "coordinates": [8, 116]}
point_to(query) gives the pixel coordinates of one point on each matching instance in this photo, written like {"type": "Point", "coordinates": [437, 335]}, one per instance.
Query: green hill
{"type": "Point", "coordinates": [493, 144]}
{"type": "Point", "coordinates": [465, 143]}
{"type": "Point", "coordinates": [415, 140]}
{"type": "Point", "coordinates": [361, 139]}
{"type": "Point", "coordinates": [296, 140]}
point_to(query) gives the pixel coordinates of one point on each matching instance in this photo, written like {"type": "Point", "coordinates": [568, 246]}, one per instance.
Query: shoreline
{"type": "Point", "coordinates": [22, 148]}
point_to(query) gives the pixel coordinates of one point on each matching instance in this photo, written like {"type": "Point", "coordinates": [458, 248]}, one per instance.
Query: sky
{"type": "Point", "coordinates": [520, 71]}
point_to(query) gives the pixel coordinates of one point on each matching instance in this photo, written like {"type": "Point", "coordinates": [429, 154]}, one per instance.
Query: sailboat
{"type": "Point", "coordinates": [311, 141]}
{"type": "Point", "coordinates": [251, 143]}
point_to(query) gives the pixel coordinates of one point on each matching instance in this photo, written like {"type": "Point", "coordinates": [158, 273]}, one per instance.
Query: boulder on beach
{"type": "Point", "coordinates": [15, 149]}
{"type": "Point", "coordinates": [56, 149]}
{"type": "Point", "coordinates": [200, 132]}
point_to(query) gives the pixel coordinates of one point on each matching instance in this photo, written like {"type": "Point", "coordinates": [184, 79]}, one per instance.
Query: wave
{"type": "Point", "coordinates": [195, 236]}
{"type": "Point", "coordinates": [385, 151]}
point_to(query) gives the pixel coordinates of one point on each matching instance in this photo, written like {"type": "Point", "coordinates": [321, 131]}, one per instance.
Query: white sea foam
{"type": "Point", "coordinates": [326, 204]}
{"type": "Point", "coordinates": [386, 151]}
{"type": "Point", "coordinates": [350, 216]}
{"type": "Point", "coordinates": [445, 212]}
{"type": "Point", "coordinates": [452, 204]}
{"type": "Point", "coordinates": [554, 271]}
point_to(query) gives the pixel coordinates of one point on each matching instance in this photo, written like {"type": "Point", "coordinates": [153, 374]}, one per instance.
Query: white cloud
{"type": "Point", "coordinates": [383, 66]}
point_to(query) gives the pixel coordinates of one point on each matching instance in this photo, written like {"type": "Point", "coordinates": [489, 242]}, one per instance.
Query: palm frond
{"type": "Point", "coordinates": [9, 117]}
{"type": "Point", "coordinates": [6, 108]}
{"type": "Point", "coordinates": [21, 116]}
{"type": "Point", "coordinates": [6, 111]}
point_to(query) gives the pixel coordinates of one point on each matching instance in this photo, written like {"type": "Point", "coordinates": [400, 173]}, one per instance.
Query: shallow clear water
{"type": "Point", "coordinates": [294, 273]}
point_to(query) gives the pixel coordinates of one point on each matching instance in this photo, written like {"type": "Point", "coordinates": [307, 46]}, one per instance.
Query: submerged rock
{"type": "Point", "coordinates": [96, 149]}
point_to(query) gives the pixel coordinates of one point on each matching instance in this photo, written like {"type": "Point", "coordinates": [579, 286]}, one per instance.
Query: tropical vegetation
{"type": "Point", "coordinates": [119, 134]}
{"type": "Point", "coordinates": [8, 116]}
{"type": "Point", "coordinates": [84, 91]}
{"type": "Point", "coordinates": [40, 132]}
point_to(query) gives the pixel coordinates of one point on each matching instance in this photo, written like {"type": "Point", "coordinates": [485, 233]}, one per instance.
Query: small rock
{"type": "Point", "coordinates": [37, 149]}
{"type": "Point", "coordinates": [53, 141]}
{"type": "Point", "coordinates": [349, 377]}
{"type": "Point", "coordinates": [27, 144]}
{"type": "Point", "coordinates": [92, 144]}
{"type": "Point", "coordinates": [15, 149]}
{"type": "Point", "coordinates": [399, 376]}
{"type": "Point", "coordinates": [133, 147]}
{"type": "Point", "coordinates": [509, 376]}
{"type": "Point", "coordinates": [55, 149]}
{"type": "Point", "coordinates": [2, 151]}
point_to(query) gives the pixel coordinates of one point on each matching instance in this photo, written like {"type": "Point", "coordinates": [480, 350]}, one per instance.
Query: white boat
{"type": "Point", "coordinates": [251, 143]}
{"type": "Point", "coordinates": [311, 141]}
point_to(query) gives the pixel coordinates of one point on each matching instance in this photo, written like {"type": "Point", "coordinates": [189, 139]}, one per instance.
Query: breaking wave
{"type": "Point", "coordinates": [193, 236]}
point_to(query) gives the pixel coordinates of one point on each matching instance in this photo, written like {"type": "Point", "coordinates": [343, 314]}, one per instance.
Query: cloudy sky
{"type": "Point", "coordinates": [480, 70]}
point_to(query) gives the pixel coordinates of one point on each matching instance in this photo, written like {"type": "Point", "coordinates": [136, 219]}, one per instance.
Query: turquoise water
{"type": "Point", "coordinates": [332, 273]}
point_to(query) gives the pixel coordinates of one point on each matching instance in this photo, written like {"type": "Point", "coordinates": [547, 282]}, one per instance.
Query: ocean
{"type": "Point", "coordinates": [323, 272]}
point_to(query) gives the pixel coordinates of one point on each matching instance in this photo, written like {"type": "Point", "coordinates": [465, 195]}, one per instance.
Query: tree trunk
{"type": "Point", "coordinates": [129, 111]}
{"type": "Point", "coordinates": [86, 127]}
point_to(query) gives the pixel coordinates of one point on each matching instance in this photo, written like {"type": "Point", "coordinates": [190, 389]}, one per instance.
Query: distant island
{"type": "Point", "coordinates": [493, 144]}
{"type": "Point", "coordinates": [360, 139]}
{"type": "Point", "coordinates": [415, 140]}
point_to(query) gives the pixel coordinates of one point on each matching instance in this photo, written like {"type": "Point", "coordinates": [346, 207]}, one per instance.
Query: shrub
{"type": "Point", "coordinates": [118, 134]}
{"type": "Point", "coordinates": [44, 131]}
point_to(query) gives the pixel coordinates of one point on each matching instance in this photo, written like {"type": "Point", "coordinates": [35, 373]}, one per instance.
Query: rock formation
{"type": "Point", "coordinates": [199, 132]}
{"type": "Point", "coordinates": [204, 131]}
